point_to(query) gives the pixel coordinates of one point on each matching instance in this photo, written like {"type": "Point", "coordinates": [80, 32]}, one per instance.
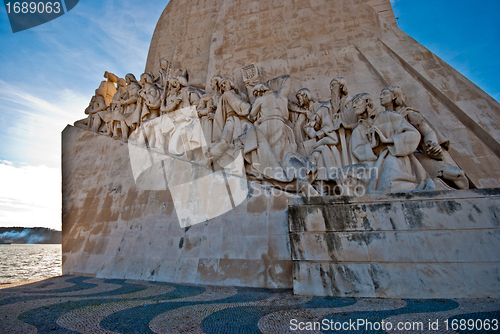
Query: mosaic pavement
{"type": "Point", "coordinates": [74, 304]}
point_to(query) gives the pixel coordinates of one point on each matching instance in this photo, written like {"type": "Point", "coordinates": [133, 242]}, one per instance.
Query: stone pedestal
{"type": "Point", "coordinates": [406, 245]}
{"type": "Point", "coordinates": [114, 227]}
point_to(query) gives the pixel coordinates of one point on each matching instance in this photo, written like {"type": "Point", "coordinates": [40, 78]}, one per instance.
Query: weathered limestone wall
{"type": "Point", "coordinates": [420, 245]}
{"type": "Point", "coordinates": [115, 229]}
{"type": "Point", "coordinates": [317, 40]}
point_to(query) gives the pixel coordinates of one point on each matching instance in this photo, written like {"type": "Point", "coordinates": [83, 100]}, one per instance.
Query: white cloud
{"type": "Point", "coordinates": [30, 196]}
{"type": "Point", "coordinates": [70, 102]}
{"type": "Point", "coordinates": [34, 124]}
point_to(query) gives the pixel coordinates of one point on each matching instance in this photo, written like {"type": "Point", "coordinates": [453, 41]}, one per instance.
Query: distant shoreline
{"type": "Point", "coordinates": [30, 235]}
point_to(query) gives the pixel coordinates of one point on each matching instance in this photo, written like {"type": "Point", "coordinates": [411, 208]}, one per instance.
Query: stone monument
{"type": "Point", "coordinates": [253, 151]}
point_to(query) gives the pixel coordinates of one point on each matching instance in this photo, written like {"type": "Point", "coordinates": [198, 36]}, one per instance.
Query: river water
{"type": "Point", "coordinates": [25, 262]}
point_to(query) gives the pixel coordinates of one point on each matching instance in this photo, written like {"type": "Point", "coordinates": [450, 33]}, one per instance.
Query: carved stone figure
{"type": "Point", "coordinates": [131, 114]}
{"type": "Point", "coordinates": [270, 115]}
{"type": "Point", "coordinates": [230, 119]}
{"type": "Point", "coordinates": [302, 113]}
{"type": "Point", "coordinates": [162, 80]}
{"type": "Point", "coordinates": [149, 98]}
{"type": "Point", "coordinates": [207, 106]}
{"type": "Point", "coordinates": [328, 129]}
{"type": "Point", "coordinates": [180, 95]}
{"type": "Point", "coordinates": [170, 99]}
{"type": "Point", "coordinates": [346, 120]}
{"type": "Point", "coordinates": [114, 116]}
{"type": "Point", "coordinates": [178, 131]}
{"type": "Point", "coordinates": [96, 107]}
{"type": "Point", "coordinates": [387, 142]}
{"type": "Point", "coordinates": [433, 149]}
{"type": "Point", "coordinates": [325, 155]}
{"type": "Point", "coordinates": [147, 111]}
{"type": "Point", "coordinates": [270, 147]}
{"type": "Point", "coordinates": [108, 88]}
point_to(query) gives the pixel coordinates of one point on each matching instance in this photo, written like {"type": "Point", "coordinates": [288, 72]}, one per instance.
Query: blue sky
{"type": "Point", "coordinates": [464, 33]}
{"type": "Point", "coordinates": [49, 73]}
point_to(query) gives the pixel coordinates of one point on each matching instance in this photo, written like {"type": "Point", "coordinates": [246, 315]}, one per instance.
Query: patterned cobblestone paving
{"type": "Point", "coordinates": [74, 304]}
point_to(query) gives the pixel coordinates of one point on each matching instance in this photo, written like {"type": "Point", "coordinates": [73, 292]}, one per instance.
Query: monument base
{"type": "Point", "coordinates": [114, 228]}
{"type": "Point", "coordinates": [441, 244]}
{"type": "Point", "coordinates": [405, 245]}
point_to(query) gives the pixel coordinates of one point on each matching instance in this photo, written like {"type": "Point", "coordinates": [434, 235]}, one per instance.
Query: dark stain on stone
{"type": "Point", "coordinates": [401, 195]}
{"type": "Point", "coordinates": [152, 272]}
{"type": "Point", "coordinates": [343, 199]}
{"type": "Point", "coordinates": [333, 244]}
{"type": "Point", "coordinates": [186, 229]}
{"type": "Point", "coordinates": [295, 246]}
{"type": "Point", "coordinates": [448, 207]}
{"type": "Point", "coordinates": [181, 243]}
{"type": "Point", "coordinates": [413, 215]}
{"type": "Point", "coordinates": [471, 218]}
{"type": "Point", "coordinates": [117, 190]}
{"type": "Point", "coordinates": [250, 188]}
{"type": "Point", "coordinates": [365, 238]}
{"type": "Point", "coordinates": [327, 200]}
{"type": "Point", "coordinates": [392, 224]}
{"type": "Point", "coordinates": [366, 224]}
{"type": "Point", "coordinates": [375, 274]}
{"type": "Point", "coordinates": [478, 210]}
{"type": "Point", "coordinates": [410, 195]}
{"type": "Point", "coordinates": [488, 191]}
{"type": "Point", "coordinates": [296, 218]}
{"type": "Point", "coordinates": [386, 207]}
{"type": "Point", "coordinates": [494, 213]}
{"type": "Point", "coordinates": [328, 279]}
{"type": "Point", "coordinates": [349, 275]}
{"type": "Point", "coordinates": [338, 217]}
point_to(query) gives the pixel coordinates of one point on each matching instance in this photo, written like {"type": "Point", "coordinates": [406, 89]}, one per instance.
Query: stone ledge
{"type": "Point", "coordinates": [398, 197]}
{"type": "Point", "coordinates": [421, 245]}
